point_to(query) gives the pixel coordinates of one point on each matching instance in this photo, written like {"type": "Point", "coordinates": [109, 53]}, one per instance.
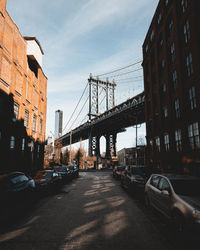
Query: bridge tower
{"type": "Point", "coordinates": [96, 87]}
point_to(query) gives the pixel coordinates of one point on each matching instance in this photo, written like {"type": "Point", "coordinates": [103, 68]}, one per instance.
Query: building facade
{"type": "Point", "coordinates": [171, 64]}
{"type": "Point", "coordinates": [132, 156]}
{"type": "Point", "coordinates": [23, 91]}
{"type": "Point", "coordinates": [58, 123]}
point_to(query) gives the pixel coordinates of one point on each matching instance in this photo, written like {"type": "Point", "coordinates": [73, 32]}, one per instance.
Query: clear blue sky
{"type": "Point", "coordinates": [80, 37]}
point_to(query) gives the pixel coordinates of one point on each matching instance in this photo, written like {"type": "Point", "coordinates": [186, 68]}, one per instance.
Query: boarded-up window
{"type": "Point", "coordinates": [28, 91]}
{"type": "Point", "coordinates": [35, 98]}
{"type": "Point", "coordinates": [6, 70]}
{"type": "Point", "coordinates": [19, 82]}
{"type": "Point", "coordinates": [8, 37]}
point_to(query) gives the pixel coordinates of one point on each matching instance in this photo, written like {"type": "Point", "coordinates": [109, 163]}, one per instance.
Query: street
{"type": "Point", "coordinates": [92, 212]}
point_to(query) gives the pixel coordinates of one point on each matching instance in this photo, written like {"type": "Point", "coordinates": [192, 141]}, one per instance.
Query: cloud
{"type": "Point", "coordinates": [82, 37]}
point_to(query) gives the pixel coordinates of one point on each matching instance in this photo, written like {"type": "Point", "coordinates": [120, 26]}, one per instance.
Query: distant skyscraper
{"type": "Point", "coordinates": [58, 123]}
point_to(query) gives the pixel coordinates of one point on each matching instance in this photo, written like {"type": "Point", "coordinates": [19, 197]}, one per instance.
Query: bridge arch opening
{"type": "Point", "coordinates": [102, 145]}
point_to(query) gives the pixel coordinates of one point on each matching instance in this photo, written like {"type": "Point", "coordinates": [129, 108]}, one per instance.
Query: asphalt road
{"type": "Point", "coordinates": [92, 212]}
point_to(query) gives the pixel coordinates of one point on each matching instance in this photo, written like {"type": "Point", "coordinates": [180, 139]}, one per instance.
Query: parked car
{"type": "Point", "coordinates": [47, 181]}
{"type": "Point", "coordinates": [74, 171]}
{"type": "Point", "coordinates": [177, 197]}
{"type": "Point", "coordinates": [117, 171]}
{"type": "Point", "coordinates": [64, 173]}
{"type": "Point", "coordinates": [16, 187]}
{"type": "Point", "coordinates": [135, 177]}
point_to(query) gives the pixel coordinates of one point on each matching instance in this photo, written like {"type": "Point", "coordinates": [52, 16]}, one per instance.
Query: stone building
{"type": "Point", "coordinates": [23, 91]}
{"type": "Point", "coordinates": [171, 64]}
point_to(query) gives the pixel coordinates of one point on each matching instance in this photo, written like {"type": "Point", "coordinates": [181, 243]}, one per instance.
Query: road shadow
{"type": "Point", "coordinates": [94, 214]}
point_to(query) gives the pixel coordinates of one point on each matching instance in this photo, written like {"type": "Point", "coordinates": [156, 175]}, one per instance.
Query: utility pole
{"type": "Point", "coordinates": [70, 152]}
{"type": "Point", "coordinates": [136, 142]}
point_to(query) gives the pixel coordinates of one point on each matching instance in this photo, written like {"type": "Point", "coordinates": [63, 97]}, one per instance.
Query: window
{"type": "Point", "coordinates": [23, 144]}
{"type": "Point", "coordinates": [163, 63]}
{"type": "Point", "coordinates": [146, 48]}
{"type": "Point", "coordinates": [12, 142]}
{"type": "Point", "coordinates": [175, 79]}
{"type": "Point", "coordinates": [34, 123]}
{"type": "Point", "coordinates": [186, 31]}
{"type": "Point", "coordinates": [192, 98]}
{"type": "Point", "coordinates": [170, 27]}
{"type": "Point", "coordinates": [183, 5]}
{"type": "Point", "coordinates": [152, 35]}
{"type": "Point", "coordinates": [178, 140]}
{"type": "Point", "coordinates": [163, 87]}
{"type": "Point", "coordinates": [26, 118]}
{"type": "Point", "coordinates": [164, 185]}
{"type": "Point", "coordinates": [160, 42]}
{"type": "Point", "coordinates": [16, 110]}
{"type": "Point", "coordinates": [151, 142]}
{"type": "Point", "coordinates": [159, 18]}
{"type": "Point", "coordinates": [155, 180]}
{"type": "Point", "coordinates": [189, 64]}
{"type": "Point", "coordinates": [177, 108]}
{"type": "Point", "coordinates": [172, 51]}
{"type": "Point", "coordinates": [157, 140]}
{"type": "Point", "coordinates": [166, 141]}
{"type": "Point", "coordinates": [193, 134]}
{"type": "Point", "coordinates": [40, 130]}
{"type": "Point", "coordinates": [165, 112]}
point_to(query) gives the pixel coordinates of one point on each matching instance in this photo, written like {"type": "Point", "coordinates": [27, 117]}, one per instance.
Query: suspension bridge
{"type": "Point", "coordinates": [114, 119]}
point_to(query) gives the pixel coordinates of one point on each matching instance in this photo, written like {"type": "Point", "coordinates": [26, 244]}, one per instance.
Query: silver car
{"type": "Point", "coordinates": [177, 197]}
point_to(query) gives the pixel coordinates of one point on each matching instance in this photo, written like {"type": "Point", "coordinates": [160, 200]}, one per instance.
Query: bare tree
{"type": "Point", "coordinates": [66, 154]}
{"type": "Point", "coordinates": [141, 141]}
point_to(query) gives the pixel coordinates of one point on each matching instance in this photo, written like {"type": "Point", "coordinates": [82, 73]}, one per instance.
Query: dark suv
{"type": "Point", "coordinates": [135, 177]}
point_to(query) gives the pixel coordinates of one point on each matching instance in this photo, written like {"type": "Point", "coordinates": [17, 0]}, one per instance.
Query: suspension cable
{"type": "Point", "coordinates": [119, 69]}
{"type": "Point", "coordinates": [79, 113]}
{"type": "Point", "coordinates": [75, 107]}
{"type": "Point", "coordinates": [125, 73]}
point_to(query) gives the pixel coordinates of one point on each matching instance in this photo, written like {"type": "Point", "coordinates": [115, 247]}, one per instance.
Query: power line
{"type": "Point", "coordinates": [119, 69]}
{"type": "Point", "coordinates": [75, 107]}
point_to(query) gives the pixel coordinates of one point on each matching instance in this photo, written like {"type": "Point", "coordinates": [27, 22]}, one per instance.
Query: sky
{"type": "Point", "coordinates": [80, 37]}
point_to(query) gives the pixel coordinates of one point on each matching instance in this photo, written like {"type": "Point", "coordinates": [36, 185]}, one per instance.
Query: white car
{"type": "Point", "coordinates": [176, 197]}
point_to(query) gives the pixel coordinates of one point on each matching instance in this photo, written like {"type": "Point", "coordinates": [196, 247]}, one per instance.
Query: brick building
{"type": "Point", "coordinates": [171, 64]}
{"type": "Point", "coordinates": [131, 156]}
{"type": "Point", "coordinates": [23, 90]}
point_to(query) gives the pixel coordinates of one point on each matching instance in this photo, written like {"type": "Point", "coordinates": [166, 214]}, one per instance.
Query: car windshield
{"type": "Point", "coordinates": [18, 178]}
{"type": "Point", "coordinates": [186, 187]}
{"type": "Point", "coordinates": [71, 167]}
{"type": "Point", "coordinates": [61, 169]}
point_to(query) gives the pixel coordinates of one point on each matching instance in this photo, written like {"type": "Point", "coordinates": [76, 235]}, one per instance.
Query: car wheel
{"type": "Point", "coordinates": [178, 223]}
{"type": "Point", "coordinates": [146, 201]}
